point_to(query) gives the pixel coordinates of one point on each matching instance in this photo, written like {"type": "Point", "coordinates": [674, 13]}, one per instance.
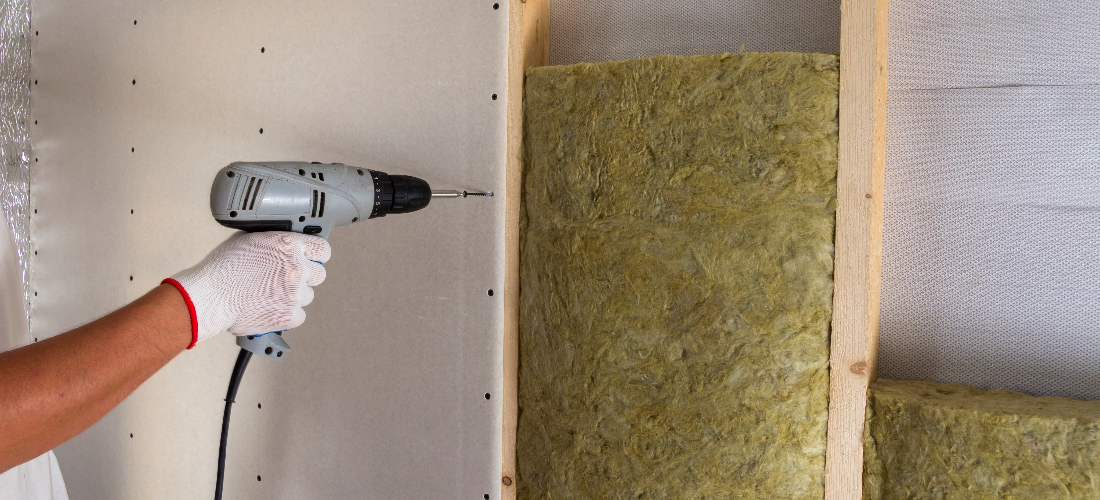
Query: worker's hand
{"type": "Point", "coordinates": [253, 283]}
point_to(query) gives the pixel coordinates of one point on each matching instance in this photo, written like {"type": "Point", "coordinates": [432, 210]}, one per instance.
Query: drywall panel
{"type": "Point", "coordinates": [390, 389]}
{"type": "Point", "coordinates": [595, 31]}
{"type": "Point", "coordinates": [992, 192]}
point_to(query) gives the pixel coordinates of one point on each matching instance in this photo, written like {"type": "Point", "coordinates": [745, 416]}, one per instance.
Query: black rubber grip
{"type": "Point", "coordinates": [255, 226]}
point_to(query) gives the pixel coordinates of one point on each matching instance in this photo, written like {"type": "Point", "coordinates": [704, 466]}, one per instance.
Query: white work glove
{"type": "Point", "coordinates": [253, 283]}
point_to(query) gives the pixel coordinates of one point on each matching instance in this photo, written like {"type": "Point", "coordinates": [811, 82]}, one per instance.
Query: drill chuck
{"type": "Point", "coordinates": [398, 194]}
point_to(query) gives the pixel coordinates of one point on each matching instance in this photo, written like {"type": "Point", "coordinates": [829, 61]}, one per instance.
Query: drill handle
{"type": "Point", "coordinates": [269, 345]}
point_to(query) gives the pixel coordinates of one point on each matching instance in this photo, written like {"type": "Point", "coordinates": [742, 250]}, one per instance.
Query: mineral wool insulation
{"type": "Point", "coordinates": [929, 440]}
{"type": "Point", "coordinates": [676, 271]}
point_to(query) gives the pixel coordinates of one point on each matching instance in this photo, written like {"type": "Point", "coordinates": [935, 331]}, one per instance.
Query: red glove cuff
{"type": "Point", "coordinates": [190, 309]}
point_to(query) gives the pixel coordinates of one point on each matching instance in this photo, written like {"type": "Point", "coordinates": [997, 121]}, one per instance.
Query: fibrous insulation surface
{"type": "Point", "coordinates": [930, 440]}
{"type": "Point", "coordinates": [676, 272]}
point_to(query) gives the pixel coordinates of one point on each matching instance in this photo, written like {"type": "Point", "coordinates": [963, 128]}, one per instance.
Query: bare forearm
{"type": "Point", "coordinates": [52, 390]}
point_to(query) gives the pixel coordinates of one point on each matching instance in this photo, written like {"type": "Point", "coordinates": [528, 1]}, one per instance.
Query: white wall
{"type": "Point", "coordinates": [384, 393]}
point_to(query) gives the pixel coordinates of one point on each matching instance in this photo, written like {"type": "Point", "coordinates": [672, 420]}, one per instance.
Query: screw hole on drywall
{"type": "Point", "coordinates": [131, 211]}
{"type": "Point", "coordinates": [133, 82]}
{"type": "Point", "coordinates": [486, 497]}
{"type": "Point", "coordinates": [36, 210]}
{"type": "Point", "coordinates": [131, 150]}
{"type": "Point", "coordinates": [494, 97]}
{"type": "Point", "coordinates": [35, 294]}
{"type": "Point", "coordinates": [36, 339]}
{"type": "Point", "coordinates": [259, 406]}
{"type": "Point", "coordinates": [131, 278]}
{"type": "Point", "coordinates": [487, 396]}
{"type": "Point", "coordinates": [490, 292]}
{"type": "Point", "coordinates": [258, 478]}
{"type": "Point", "coordinates": [135, 22]}
{"type": "Point", "coordinates": [261, 131]}
{"type": "Point", "coordinates": [35, 33]}
{"type": "Point", "coordinates": [131, 435]}
{"type": "Point", "coordinates": [261, 50]}
{"type": "Point", "coordinates": [36, 161]}
{"type": "Point", "coordinates": [495, 7]}
{"type": "Point", "coordinates": [36, 252]}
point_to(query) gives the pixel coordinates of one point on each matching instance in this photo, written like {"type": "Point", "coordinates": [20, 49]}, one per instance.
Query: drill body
{"type": "Point", "coordinates": [310, 198]}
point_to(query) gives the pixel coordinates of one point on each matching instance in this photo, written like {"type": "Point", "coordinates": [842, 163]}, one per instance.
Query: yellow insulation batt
{"type": "Point", "coordinates": [676, 277]}
{"type": "Point", "coordinates": [925, 440]}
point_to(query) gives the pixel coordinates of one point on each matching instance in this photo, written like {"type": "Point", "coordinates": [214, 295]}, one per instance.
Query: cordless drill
{"type": "Point", "coordinates": [310, 198]}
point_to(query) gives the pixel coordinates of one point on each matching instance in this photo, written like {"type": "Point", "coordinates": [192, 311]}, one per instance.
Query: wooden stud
{"type": "Point", "coordinates": [528, 46]}
{"type": "Point", "coordinates": [860, 176]}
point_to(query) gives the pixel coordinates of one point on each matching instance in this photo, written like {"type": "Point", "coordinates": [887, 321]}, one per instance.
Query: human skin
{"type": "Point", "coordinates": [52, 390]}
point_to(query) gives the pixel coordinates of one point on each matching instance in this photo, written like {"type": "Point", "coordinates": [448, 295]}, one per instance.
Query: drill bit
{"type": "Point", "coordinates": [458, 194]}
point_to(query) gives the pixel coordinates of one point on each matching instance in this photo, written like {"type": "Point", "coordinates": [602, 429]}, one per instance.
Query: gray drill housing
{"type": "Point", "coordinates": [309, 198]}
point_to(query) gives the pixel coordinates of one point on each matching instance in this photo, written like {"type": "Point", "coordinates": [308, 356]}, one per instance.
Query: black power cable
{"type": "Point", "coordinates": [234, 383]}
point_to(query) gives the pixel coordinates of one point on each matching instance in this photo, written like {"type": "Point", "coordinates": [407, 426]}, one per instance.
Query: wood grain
{"type": "Point", "coordinates": [860, 176]}
{"type": "Point", "coordinates": [528, 46]}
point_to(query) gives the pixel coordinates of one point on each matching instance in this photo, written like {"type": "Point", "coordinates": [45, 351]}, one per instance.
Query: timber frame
{"type": "Point", "coordinates": [857, 268]}
{"type": "Point", "coordinates": [528, 46]}
{"type": "Point", "coordinates": [858, 259]}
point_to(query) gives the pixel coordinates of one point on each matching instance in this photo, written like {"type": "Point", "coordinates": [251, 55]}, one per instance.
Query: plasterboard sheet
{"type": "Point", "coordinates": [989, 43]}
{"type": "Point", "coordinates": [387, 391]}
{"type": "Point", "coordinates": [991, 246]}
{"type": "Point", "coordinates": [597, 31]}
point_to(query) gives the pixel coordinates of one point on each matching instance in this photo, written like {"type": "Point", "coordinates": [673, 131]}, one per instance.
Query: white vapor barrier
{"type": "Point", "coordinates": [991, 239]}
{"type": "Point", "coordinates": [989, 43]}
{"type": "Point", "coordinates": [385, 393]}
{"type": "Point", "coordinates": [991, 247]}
{"type": "Point", "coordinates": [15, 153]}
{"type": "Point", "coordinates": [597, 31]}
